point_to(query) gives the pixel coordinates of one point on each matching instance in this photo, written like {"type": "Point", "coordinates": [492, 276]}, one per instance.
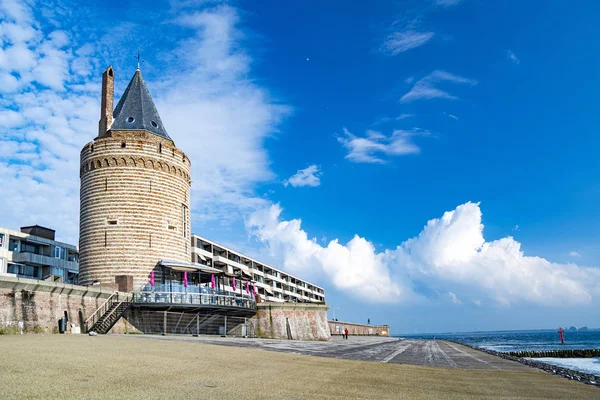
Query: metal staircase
{"type": "Point", "coordinates": [108, 313]}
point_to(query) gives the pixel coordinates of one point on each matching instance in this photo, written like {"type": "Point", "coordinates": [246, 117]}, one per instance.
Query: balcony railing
{"type": "Point", "coordinates": [203, 299]}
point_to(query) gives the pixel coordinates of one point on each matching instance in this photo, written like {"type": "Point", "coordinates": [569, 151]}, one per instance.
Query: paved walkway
{"type": "Point", "coordinates": [435, 353]}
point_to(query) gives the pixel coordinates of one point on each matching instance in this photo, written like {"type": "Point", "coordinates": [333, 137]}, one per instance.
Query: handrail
{"type": "Point", "coordinates": [102, 307]}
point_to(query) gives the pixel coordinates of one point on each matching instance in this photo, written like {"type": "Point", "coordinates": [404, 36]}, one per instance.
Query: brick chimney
{"type": "Point", "coordinates": [108, 92]}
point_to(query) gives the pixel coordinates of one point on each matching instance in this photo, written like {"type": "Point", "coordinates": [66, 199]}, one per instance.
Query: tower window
{"type": "Point", "coordinates": [123, 145]}
{"type": "Point", "coordinates": [160, 147]}
{"type": "Point", "coordinates": [130, 120]}
{"type": "Point", "coordinates": [112, 222]}
{"type": "Point", "coordinates": [184, 219]}
{"type": "Point", "coordinates": [154, 124]}
{"type": "Point", "coordinates": [91, 148]}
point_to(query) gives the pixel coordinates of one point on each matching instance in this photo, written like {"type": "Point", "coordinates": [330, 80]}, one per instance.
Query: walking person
{"type": "Point", "coordinates": [346, 333]}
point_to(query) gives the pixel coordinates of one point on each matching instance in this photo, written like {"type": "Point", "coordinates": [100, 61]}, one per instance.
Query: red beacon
{"type": "Point", "coordinates": [561, 336]}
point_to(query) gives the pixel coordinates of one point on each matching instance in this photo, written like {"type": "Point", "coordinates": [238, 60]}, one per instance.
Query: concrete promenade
{"type": "Point", "coordinates": [431, 353]}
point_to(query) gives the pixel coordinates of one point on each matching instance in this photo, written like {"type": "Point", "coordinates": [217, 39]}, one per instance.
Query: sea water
{"type": "Point", "coordinates": [541, 340]}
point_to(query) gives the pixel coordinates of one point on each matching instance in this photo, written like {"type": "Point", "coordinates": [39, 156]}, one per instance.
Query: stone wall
{"type": "Point", "coordinates": [337, 327]}
{"type": "Point", "coordinates": [295, 321]}
{"type": "Point", "coordinates": [135, 206]}
{"type": "Point", "coordinates": [39, 304]}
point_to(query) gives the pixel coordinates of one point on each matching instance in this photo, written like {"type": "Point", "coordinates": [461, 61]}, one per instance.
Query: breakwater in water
{"type": "Point", "coordinates": [557, 353]}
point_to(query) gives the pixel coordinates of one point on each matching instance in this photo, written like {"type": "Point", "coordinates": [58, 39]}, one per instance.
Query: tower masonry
{"type": "Point", "coordinates": [135, 191]}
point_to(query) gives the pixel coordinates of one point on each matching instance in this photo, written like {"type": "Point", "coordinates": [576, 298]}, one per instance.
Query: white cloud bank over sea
{"type": "Point", "coordinates": [450, 255]}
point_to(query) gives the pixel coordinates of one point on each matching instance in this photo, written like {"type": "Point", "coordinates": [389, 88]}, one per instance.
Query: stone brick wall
{"type": "Point", "coordinates": [296, 321]}
{"type": "Point", "coordinates": [135, 206]}
{"type": "Point", "coordinates": [336, 327]}
{"type": "Point", "coordinates": [40, 304]}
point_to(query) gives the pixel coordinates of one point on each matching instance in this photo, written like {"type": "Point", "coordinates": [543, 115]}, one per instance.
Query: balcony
{"type": "Point", "coordinates": [214, 299]}
{"type": "Point", "coordinates": [203, 252]}
{"type": "Point", "coordinates": [41, 260]}
{"type": "Point", "coordinates": [235, 264]}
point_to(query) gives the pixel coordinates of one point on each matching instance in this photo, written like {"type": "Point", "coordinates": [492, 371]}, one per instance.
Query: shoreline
{"type": "Point", "coordinates": [566, 373]}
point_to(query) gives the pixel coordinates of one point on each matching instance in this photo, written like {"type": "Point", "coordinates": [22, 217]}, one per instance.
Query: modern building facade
{"type": "Point", "coordinates": [33, 253]}
{"type": "Point", "coordinates": [272, 284]}
{"type": "Point", "coordinates": [135, 191]}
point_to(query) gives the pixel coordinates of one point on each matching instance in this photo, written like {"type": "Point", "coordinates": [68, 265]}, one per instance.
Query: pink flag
{"type": "Point", "coordinates": [234, 287]}
{"type": "Point", "coordinates": [152, 278]}
{"type": "Point", "coordinates": [185, 281]}
{"type": "Point", "coordinates": [247, 287]}
{"type": "Point", "coordinates": [212, 281]}
{"type": "Point", "coordinates": [254, 287]}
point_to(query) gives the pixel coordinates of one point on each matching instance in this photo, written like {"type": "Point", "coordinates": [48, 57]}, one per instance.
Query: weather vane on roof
{"type": "Point", "coordinates": [139, 58]}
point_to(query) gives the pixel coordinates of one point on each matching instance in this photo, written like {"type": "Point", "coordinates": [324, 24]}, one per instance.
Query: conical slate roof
{"type": "Point", "coordinates": [136, 110]}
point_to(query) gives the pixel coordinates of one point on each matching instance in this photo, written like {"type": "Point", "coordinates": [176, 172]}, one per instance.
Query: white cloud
{"type": "Point", "coordinates": [516, 228]}
{"type": "Point", "coordinates": [451, 116]}
{"type": "Point", "coordinates": [404, 116]}
{"type": "Point", "coordinates": [223, 112]}
{"type": "Point", "coordinates": [454, 298]}
{"type": "Point", "coordinates": [449, 255]}
{"type": "Point", "coordinates": [208, 101]}
{"type": "Point", "coordinates": [309, 176]}
{"type": "Point", "coordinates": [575, 254]}
{"type": "Point", "coordinates": [512, 56]}
{"type": "Point", "coordinates": [374, 145]}
{"type": "Point", "coordinates": [399, 42]}
{"type": "Point", "coordinates": [425, 88]}
{"type": "Point", "coordinates": [353, 268]}
{"type": "Point", "coordinates": [447, 3]}
{"type": "Point", "coordinates": [10, 119]}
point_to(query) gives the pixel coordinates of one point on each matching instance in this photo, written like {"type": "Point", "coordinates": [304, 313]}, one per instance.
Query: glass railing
{"type": "Point", "coordinates": [208, 298]}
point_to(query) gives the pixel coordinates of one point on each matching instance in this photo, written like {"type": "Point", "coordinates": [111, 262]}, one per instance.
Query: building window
{"type": "Point", "coordinates": [30, 248]}
{"type": "Point", "coordinates": [13, 245]}
{"type": "Point", "coordinates": [1, 240]}
{"type": "Point", "coordinates": [184, 218]}
{"type": "Point", "coordinates": [112, 222]}
{"type": "Point", "coordinates": [160, 147]}
{"type": "Point", "coordinates": [59, 252]}
{"type": "Point", "coordinates": [123, 145]}
{"type": "Point", "coordinates": [22, 270]}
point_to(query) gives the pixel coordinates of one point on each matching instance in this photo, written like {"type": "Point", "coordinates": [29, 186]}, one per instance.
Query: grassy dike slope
{"type": "Point", "coordinates": [110, 367]}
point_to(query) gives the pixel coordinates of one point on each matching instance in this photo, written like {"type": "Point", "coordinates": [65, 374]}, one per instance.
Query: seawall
{"type": "Point", "coordinates": [337, 328]}
{"type": "Point", "coordinates": [294, 321]}
{"type": "Point", "coordinates": [40, 304]}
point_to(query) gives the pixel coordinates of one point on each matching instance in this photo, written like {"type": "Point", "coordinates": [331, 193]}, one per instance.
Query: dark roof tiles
{"type": "Point", "coordinates": [136, 110]}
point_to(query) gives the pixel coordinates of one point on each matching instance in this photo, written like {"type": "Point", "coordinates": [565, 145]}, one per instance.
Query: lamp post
{"type": "Point", "coordinates": [333, 310]}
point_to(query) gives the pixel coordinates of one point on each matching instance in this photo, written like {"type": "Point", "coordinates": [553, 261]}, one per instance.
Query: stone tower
{"type": "Point", "coordinates": [135, 190]}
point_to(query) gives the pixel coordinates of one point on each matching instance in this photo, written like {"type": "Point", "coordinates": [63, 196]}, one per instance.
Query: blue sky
{"type": "Point", "coordinates": [361, 123]}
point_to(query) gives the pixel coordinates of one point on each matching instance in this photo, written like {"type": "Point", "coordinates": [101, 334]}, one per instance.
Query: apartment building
{"type": "Point", "coordinates": [273, 284]}
{"type": "Point", "coordinates": [33, 253]}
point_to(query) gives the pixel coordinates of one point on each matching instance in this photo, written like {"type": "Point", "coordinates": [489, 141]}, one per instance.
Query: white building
{"type": "Point", "coordinates": [273, 284]}
{"type": "Point", "coordinates": [33, 253]}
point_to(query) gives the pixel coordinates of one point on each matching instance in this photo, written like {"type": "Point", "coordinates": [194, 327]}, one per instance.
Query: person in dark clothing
{"type": "Point", "coordinates": [346, 333]}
